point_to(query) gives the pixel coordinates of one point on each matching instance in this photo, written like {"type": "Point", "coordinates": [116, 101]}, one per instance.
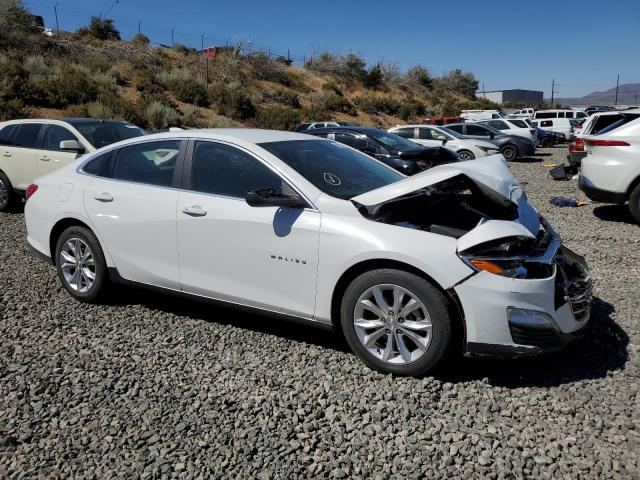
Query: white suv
{"type": "Point", "coordinates": [431, 136]}
{"type": "Point", "coordinates": [513, 126]}
{"type": "Point", "coordinates": [31, 148]}
{"type": "Point", "coordinates": [610, 172]}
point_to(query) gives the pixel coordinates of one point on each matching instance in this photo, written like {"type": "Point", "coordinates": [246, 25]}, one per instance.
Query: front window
{"type": "Point", "coordinates": [56, 134]}
{"type": "Point", "coordinates": [519, 123]}
{"type": "Point", "coordinates": [392, 140]}
{"type": "Point", "coordinates": [105, 133]}
{"type": "Point", "coordinates": [449, 131]}
{"type": "Point", "coordinates": [333, 168]}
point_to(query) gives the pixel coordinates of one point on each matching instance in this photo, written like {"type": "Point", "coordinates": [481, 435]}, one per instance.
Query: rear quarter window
{"type": "Point", "coordinates": [5, 134]}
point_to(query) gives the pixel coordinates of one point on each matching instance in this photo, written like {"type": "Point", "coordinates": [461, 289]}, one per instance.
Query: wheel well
{"type": "Point", "coordinates": [367, 265]}
{"type": "Point", "coordinates": [633, 185]}
{"type": "Point", "coordinates": [60, 227]}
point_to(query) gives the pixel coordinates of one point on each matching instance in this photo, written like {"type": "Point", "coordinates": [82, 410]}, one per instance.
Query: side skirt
{"type": "Point", "coordinates": [115, 277]}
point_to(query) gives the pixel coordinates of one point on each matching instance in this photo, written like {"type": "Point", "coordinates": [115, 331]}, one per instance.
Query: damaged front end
{"type": "Point", "coordinates": [527, 293]}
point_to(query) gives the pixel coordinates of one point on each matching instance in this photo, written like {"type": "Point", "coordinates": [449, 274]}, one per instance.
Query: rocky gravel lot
{"type": "Point", "coordinates": [153, 387]}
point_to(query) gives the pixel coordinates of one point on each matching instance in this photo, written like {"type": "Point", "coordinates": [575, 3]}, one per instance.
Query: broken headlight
{"type": "Point", "coordinates": [504, 268]}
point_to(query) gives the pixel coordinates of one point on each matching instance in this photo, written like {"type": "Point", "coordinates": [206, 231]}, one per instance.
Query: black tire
{"type": "Point", "coordinates": [634, 203]}
{"type": "Point", "coordinates": [466, 155]}
{"type": "Point", "coordinates": [101, 279]}
{"type": "Point", "coordinates": [510, 152]}
{"type": "Point", "coordinates": [547, 142]}
{"type": "Point", "coordinates": [434, 302]}
{"type": "Point", "coordinates": [8, 197]}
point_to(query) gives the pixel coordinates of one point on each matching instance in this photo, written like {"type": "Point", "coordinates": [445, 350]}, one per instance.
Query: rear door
{"type": "Point", "coordinates": [132, 204]}
{"type": "Point", "coordinates": [25, 144]}
{"type": "Point", "coordinates": [265, 257]}
{"type": "Point", "coordinates": [51, 158]}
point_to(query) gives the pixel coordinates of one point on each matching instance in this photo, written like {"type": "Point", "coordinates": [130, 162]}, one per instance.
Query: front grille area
{"type": "Point", "coordinates": [546, 338]}
{"type": "Point", "coordinates": [573, 285]}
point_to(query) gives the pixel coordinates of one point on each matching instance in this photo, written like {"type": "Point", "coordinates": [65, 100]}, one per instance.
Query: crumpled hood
{"type": "Point", "coordinates": [491, 171]}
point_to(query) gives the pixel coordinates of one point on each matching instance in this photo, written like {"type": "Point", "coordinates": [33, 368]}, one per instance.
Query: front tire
{"type": "Point", "coordinates": [547, 142]}
{"type": "Point", "coordinates": [80, 264]}
{"type": "Point", "coordinates": [510, 152]}
{"type": "Point", "coordinates": [466, 155]}
{"type": "Point", "coordinates": [396, 322]}
{"type": "Point", "coordinates": [634, 203]}
{"type": "Point", "coordinates": [8, 198]}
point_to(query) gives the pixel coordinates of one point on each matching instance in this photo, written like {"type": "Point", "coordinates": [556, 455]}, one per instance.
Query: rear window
{"type": "Point", "coordinates": [519, 123]}
{"type": "Point", "coordinates": [546, 115]}
{"type": "Point", "coordinates": [623, 121]}
{"type": "Point", "coordinates": [602, 122]}
{"type": "Point", "coordinates": [26, 135]}
{"type": "Point", "coordinates": [103, 134]}
{"type": "Point", "coordinates": [5, 133]}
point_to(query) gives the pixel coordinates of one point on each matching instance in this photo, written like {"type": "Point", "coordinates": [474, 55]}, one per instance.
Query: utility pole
{"type": "Point", "coordinates": [617, 85]}
{"type": "Point", "coordinates": [173, 43]}
{"type": "Point", "coordinates": [202, 42]}
{"type": "Point", "coordinates": [55, 9]}
{"type": "Point", "coordinates": [553, 90]}
{"type": "Point", "coordinates": [139, 30]}
{"type": "Point", "coordinates": [288, 56]}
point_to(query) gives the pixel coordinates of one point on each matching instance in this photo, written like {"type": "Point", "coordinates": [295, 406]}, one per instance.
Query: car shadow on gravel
{"type": "Point", "coordinates": [614, 213]}
{"type": "Point", "coordinates": [290, 329]}
{"type": "Point", "coordinates": [526, 160]}
{"type": "Point", "coordinates": [602, 350]}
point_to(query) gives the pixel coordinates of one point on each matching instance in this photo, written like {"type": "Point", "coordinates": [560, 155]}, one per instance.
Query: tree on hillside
{"type": "Point", "coordinates": [100, 28]}
{"type": "Point", "coordinates": [15, 16]}
{"type": "Point", "coordinates": [419, 77]}
{"type": "Point", "coordinates": [458, 81]}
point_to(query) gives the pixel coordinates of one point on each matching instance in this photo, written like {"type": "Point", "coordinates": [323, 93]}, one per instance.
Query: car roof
{"type": "Point", "coordinates": [348, 128]}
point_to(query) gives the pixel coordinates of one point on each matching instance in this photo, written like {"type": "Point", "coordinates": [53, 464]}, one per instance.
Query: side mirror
{"type": "Point", "coordinates": [268, 197]}
{"type": "Point", "coordinates": [444, 140]}
{"type": "Point", "coordinates": [72, 146]}
{"type": "Point", "coordinates": [492, 135]}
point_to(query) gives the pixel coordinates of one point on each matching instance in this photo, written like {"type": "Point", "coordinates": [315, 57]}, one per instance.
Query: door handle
{"type": "Point", "coordinates": [104, 197]}
{"type": "Point", "coordinates": [194, 211]}
{"type": "Point", "coordinates": [45, 158]}
{"type": "Point", "coordinates": [7, 154]}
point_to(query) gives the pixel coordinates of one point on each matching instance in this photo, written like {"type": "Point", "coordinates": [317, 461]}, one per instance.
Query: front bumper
{"type": "Point", "coordinates": [562, 301]}
{"type": "Point", "coordinates": [598, 194]}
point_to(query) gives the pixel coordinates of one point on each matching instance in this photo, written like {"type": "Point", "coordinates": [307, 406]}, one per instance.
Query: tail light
{"type": "Point", "coordinates": [578, 146]}
{"type": "Point", "coordinates": [31, 189]}
{"type": "Point", "coordinates": [597, 142]}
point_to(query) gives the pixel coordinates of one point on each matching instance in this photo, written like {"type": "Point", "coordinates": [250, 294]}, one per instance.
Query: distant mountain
{"type": "Point", "coordinates": [628, 94]}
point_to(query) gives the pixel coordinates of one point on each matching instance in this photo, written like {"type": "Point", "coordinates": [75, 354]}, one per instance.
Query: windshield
{"type": "Point", "coordinates": [332, 167]}
{"type": "Point", "coordinates": [392, 140]}
{"type": "Point", "coordinates": [491, 129]}
{"type": "Point", "coordinates": [453, 133]}
{"type": "Point", "coordinates": [103, 134]}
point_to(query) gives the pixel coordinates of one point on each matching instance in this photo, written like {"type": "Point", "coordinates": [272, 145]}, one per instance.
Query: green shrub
{"type": "Point", "coordinates": [411, 108]}
{"type": "Point", "coordinates": [234, 103]}
{"type": "Point", "coordinates": [282, 96]}
{"type": "Point", "coordinates": [220, 121]}
{"type": "Point", "coordinates": [376, 105]}
{"type": "Point", "coordinates": [278, 118]}
{"type": "Point", "coordinates": [14, 16]}
{"type": "Point", "coordinates": [160, 116]}
{"type": "Point", "coordinates": [174, 76]}
{"type": "Point", "coordinates": [69, 85]}
{"type": "Point", "coordinates": [418, 77]}
{"type": "Point", "coordinates": [13, 108]}
{"type": "Point", "coordinates": [142, 80]}
{"type": "Point", "coordinates": [192, 91]}
{"type": "Point", "coordinates": [191, 117]}
{"type": "Point", "coordinates": [35, 65]}
{"type": "Point", "coordinates": [346, 65]}
{"type": "Point", "coordinates": [332, 87]}
{"type": "Point", "coordinates": [140, 40]}
{"type": "Point", "coordinates": [100, 28]}
{"type": "Point", "coordinates": [76, 111]}
{"type": "Point", "coordinates": [100, 110]}
{"type": "Point", "coordinates": [373, 78]}
{"type": "Point", "coordinates": [13, 79]}
{"type": "Point", "coordinates": [335, 103]}
{"type": "Point", "coordinates": [459, 82]}
{"type": "Point", "coordinates": [148, 98]}
{"type": "Point", "coordinates": [118, 107]}
{"type": "Point", "coordinates": [181, 48]}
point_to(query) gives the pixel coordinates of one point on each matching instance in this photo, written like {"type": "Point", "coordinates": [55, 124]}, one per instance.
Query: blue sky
{"type": "Point", "coordinates": [506, 44]}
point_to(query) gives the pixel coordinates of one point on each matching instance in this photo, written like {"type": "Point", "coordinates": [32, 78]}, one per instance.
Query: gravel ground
{"type": "Point", "coordinates": [149, 386]}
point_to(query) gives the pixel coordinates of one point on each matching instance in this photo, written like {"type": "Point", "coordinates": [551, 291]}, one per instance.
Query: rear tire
{"type": "Point", "coordinates": [510, 152]}
{"type": "Point", "coordinates": [466, 155]}
{"type": "Point", "coordinates": [634, 203]}
{"type": "Point", "coordinates": [8, 198]}
{"type": "Point", "coordinates": [403, 322]}
{"type": "Point", "coordinates": [80, 264]}
{"type": "Point", "coordinates": [547, 142]}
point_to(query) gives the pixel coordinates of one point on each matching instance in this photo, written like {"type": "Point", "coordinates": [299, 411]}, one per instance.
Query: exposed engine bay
{"type": "Point", "coordinates": [452, 207]}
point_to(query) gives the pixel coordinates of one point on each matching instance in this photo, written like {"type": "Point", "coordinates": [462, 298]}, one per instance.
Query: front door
{"type": "Point", "coordinates": [265, 257]}
{"type": "Point", "coordinates": [133, 208]}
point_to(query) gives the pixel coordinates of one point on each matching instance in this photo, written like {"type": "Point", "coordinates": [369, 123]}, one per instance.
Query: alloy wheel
{"type": "Point", "coordinates": [78, 265]}
{"type": "Point", "coordinates": [466, 156]}
{"type": "Point", "coordinates": [393, 324]}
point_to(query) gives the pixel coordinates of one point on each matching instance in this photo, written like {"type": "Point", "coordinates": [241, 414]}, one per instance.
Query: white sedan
{"type": "Point", "coordinates": [432, 136]}
{"type": "Point", "coordinates": [285, 223]}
